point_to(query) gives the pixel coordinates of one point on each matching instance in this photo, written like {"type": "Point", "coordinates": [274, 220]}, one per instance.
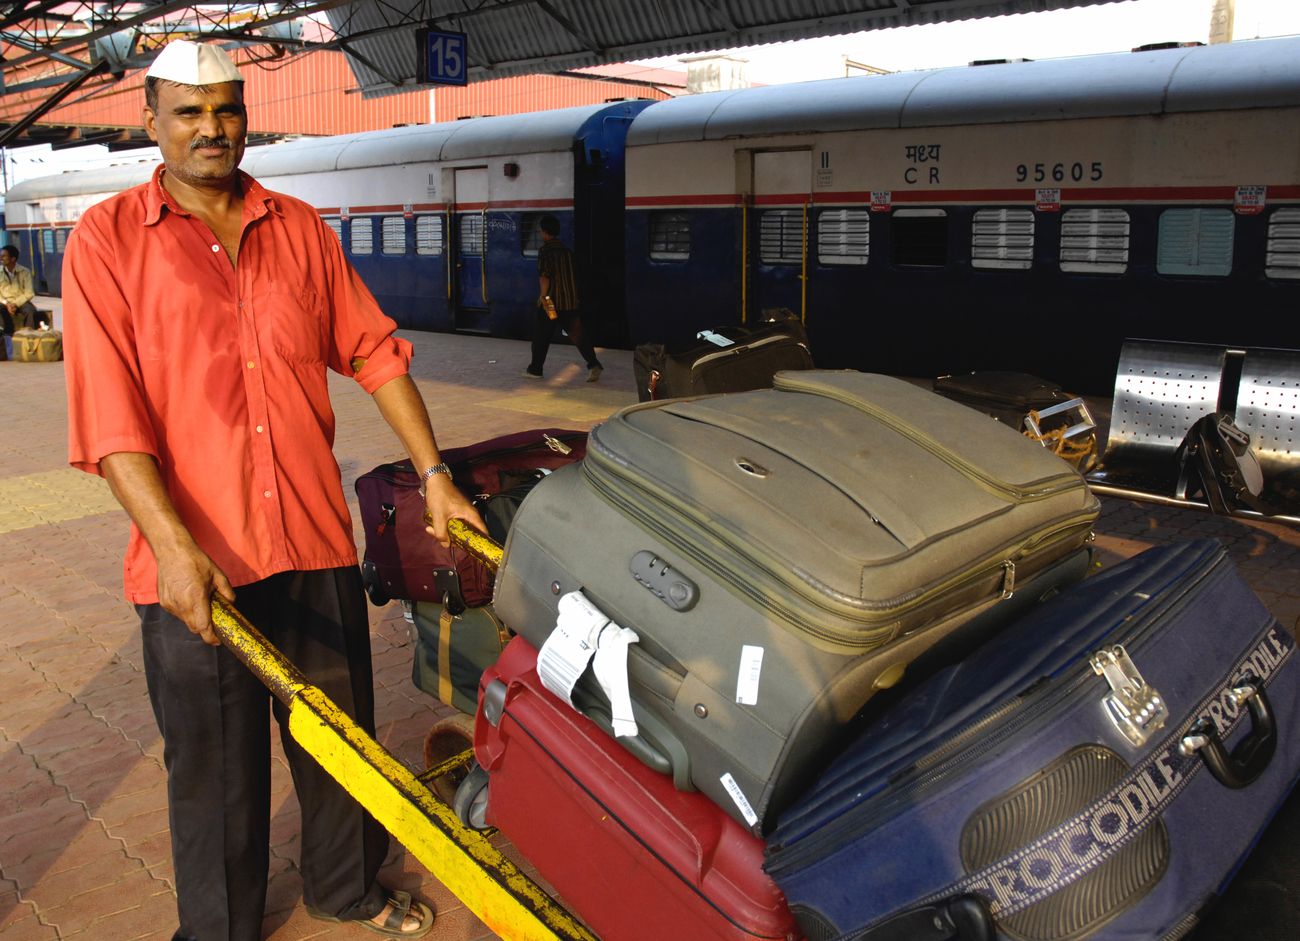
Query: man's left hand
{"type": "Point", "coordinates": [443, 500]}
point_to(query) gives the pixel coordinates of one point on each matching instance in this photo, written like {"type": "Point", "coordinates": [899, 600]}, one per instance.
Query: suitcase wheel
{"type": "Point", "coordinates": [374, 588]}
{"type": "Point", "coordinates": [447, 739]}
{"type": "Point", "coordinates": [470, 803]}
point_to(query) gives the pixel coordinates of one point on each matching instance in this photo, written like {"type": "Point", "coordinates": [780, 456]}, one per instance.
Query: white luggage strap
{"type": "Point", "coordinates": [583, 633]}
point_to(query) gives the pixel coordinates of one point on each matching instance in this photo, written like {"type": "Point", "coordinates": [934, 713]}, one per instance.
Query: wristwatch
{"type": "Point", "coordinates": [435, 469]}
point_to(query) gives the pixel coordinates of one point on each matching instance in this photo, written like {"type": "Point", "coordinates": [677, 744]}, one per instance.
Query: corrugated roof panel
{"type": "Point", "coordinates": [513, 39]}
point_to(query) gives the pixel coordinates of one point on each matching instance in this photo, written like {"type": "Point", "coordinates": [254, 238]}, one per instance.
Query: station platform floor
{"type": "Point", "coordinates": [84, 842]}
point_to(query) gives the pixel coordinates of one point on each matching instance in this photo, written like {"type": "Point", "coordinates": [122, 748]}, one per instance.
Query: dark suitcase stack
{"type": "Point", "coordinates": [782, 555]}
{"type": "Point", "coordinates": [635, 858]}
{"type": "Point", "coordinates": [727, 359]}
{"type": "Point", "coordinates": [402, 561]}
{"type": "Point", "coordinates": [1035, 407]}
{"type": "Point", "coordinates": [1100, 770]}
{"type": "Point", "coordinates": [457, 632]}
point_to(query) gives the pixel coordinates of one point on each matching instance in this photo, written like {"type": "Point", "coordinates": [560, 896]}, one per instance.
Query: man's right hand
{"type": "Point", "coordinates": [186, 581]}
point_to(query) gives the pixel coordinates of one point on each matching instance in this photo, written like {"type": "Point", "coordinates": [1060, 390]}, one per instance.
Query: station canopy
{"type": "Point", "coordinates": [56, 48]}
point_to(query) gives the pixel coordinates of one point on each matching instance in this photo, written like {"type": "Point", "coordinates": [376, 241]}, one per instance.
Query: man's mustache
{"type": "Point", "coordinates": [223, 142]}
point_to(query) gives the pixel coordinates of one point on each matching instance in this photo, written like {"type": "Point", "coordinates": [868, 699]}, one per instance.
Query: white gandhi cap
{"type": "Point", "coordinates": [194, 63]}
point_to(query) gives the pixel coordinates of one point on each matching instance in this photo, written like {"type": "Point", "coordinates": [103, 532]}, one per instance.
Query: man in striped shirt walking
{"type": "Point", "coordinates": [557, 302]}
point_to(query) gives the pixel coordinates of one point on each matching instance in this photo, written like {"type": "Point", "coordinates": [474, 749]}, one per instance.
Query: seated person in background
{"type": "Point", "coordinates": [16, 292]}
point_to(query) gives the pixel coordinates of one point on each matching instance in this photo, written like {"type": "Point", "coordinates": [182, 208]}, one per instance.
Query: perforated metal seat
{"type": "Point", "coordinates": [1268, 409]}
{"type": "Point", "coordinates": [1161, 389]}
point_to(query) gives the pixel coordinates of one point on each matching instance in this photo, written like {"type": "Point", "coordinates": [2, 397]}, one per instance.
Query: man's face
{"type": "Point", "coordinates": [9, 260]}
{"type": "Point", "coordinates": [199, 129]}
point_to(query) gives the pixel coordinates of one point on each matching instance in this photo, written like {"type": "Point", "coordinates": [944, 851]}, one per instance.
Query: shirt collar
{"type": "Point", "coordinates": [258, 201]}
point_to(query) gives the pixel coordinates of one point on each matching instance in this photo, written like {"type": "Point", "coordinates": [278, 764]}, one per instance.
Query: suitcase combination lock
{"type": "Point", "coordinates": [1135, 707]}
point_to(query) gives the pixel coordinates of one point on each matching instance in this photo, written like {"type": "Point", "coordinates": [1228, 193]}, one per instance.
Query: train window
{"type": "Point", "coordinates": [428, 235]}
{"type": "Point", "coordinates": [780, 237]}
{"type": "Point", "coordinates": [1002, 238]}
{"type": "Point", "coordinates": [920, 237]}
{"type": "Point", "coordinates": [530, 235]}
{"type": "Point", "coordinates": [394, 235]}
{"type": "Point", "coordinates": [1094, 240]}
{"type": "Point", "coordinates": [1195, 241]}
{"type": "Point", "coordinates": [363, 236]}
{"type": "Point", "coordinates": [60, 240]}
{"type": "Point", "coordinates": [336, 226]}
{"type": "Point", "coordinates": [47, 241]}
{"type": "Point", "coordinates": [471, 233]}
{"type": "Point", "coordinates": [1283, 257]}
{"type": "Point", "coordinates": [843, 236]}
{"type": "Point", "coordinates": [670, 236]}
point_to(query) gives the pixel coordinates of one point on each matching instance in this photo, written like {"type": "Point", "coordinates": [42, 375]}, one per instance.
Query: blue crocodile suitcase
{"type": "Point", "coordinates": [1100, 770]}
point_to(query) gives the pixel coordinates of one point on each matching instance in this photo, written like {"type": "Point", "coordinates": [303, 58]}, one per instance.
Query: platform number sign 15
{"type": "Point", "coordinates": [442, 57]}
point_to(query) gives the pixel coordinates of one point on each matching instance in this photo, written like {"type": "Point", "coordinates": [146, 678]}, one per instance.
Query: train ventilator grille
{"type": "Point", "coordinates": [1283, 253]}
{"type": "Point", "coordinates": [1002, 238]}
{"type": "Point", "coordinates": [1095, 240]}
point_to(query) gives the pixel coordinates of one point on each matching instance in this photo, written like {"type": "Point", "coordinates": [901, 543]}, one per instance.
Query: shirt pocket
{"type": "Point", "coordinates": [296, 315]}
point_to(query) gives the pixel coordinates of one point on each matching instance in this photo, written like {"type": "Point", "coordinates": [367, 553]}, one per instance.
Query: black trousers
{"type": "Point", "coordinates": [212, 713]}
{"type": "Point", "coordinates": [544, 331]}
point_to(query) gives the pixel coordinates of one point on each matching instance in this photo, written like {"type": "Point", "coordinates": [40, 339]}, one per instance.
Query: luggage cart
{"type": "Point", "coordinates": [489, 884]}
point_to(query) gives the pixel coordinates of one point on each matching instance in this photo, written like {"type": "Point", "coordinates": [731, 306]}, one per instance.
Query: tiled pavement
{"type": "Point", "coordinates": [84, 849]}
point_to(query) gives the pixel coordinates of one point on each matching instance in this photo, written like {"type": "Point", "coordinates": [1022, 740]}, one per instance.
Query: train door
{"type": "Point", "coordinates": [469, 253]}
{"type": "Point", "coordinates": [777, 238]}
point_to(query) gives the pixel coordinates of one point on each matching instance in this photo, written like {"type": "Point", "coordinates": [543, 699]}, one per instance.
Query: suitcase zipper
{"type": "Point", "coordinates": [1002, 567]}
{"type": "Point", "coordinates": [971, 742]}
{"type": "Point", "coordinates": [732, 350]}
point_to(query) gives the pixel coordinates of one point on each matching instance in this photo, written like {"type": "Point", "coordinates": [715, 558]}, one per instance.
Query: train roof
{"type": "Point", "coordinates": [1251, 74]}
{"type": "Point", "coordinates": [536, 132]}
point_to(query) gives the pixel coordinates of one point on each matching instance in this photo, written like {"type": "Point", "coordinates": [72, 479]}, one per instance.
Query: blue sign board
{"type": "Point", "coordinates": [442, 57]}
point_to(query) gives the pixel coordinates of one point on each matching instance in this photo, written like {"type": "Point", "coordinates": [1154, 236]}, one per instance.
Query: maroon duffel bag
{"type": "Point", "coordinates": [403, 561]}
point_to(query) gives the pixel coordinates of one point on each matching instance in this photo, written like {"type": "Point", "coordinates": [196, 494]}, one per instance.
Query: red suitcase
{"type": "Point", "coordinates": [629, 854]}
{"type": "Point", "coordinates": [402, 560]}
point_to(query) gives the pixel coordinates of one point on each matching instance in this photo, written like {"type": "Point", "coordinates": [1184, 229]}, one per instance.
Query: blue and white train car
{"type": "Point", "coordinates": [440, 220]}
{"type": "Point", "coordinates": [1024, 216]}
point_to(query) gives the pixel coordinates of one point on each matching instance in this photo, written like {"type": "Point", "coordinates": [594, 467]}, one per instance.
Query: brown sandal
{"type": "Point", "coordinates": [401, 905]}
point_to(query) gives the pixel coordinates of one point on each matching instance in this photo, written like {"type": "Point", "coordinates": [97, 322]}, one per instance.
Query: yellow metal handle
{"type": "Point", "coordinates": [482, 547]}
{"type": "Point", "coordinates": [489, 884]}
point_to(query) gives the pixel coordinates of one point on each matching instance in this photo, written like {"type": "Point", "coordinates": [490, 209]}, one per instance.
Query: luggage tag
{"type": "Point", "coordinates": [717, 339]}
{"type": "Point", "coordinates": [584, 634]}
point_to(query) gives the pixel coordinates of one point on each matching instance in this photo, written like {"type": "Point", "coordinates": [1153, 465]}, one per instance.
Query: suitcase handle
{"type": "Point", "coordinates": [962, 918]}
{"type": "Point", "coordinates": [1245, 763]}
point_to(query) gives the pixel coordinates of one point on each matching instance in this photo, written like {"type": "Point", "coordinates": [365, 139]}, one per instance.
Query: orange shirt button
{"type": "Point", "coordinates": [251, 364]}
{"type": "Point", "coordinates": [215, 249]}
{"type": "Point", "coordinates": [266, 493]}
{"type": "Point", "coordinates": [259, 429]}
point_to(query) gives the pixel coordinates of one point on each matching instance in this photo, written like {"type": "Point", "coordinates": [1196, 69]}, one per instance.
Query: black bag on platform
{"type": "Point", "coordinates": [1035, 407]}
{"type": "Point", "coordinates": [1215, 460]}
{"type": "Point", "coordinates": [729, 359]}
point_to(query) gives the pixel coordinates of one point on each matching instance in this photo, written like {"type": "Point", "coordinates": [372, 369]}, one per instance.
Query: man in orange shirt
{"type": "Point", "coordinates": [201, 315]}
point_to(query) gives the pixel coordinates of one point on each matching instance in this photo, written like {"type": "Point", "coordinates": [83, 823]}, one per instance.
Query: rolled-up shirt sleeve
{"type": "Point", "coordinates": [364, 345]}
{"type": "Point", "coordinates": [26, 291]}
{"type": "Point", "coordinates": [106, 405]}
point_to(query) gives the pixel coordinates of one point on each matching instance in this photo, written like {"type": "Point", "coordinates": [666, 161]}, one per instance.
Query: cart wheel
{"type": "Point", "coordinates": [471, 800]}
{"type": "Point", "coordinates": [448, 738]}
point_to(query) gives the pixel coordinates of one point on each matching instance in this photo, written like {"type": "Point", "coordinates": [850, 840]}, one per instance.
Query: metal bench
{"type": "Point", "coordinates": [1162, 388]}
{"type": "Point", "coordinates": [1268, 409]}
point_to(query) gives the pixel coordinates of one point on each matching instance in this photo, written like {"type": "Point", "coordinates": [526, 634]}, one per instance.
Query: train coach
{"type": "Point", "coordinates": [440, 220]}
{"type": "Point", "coordinates": [1020, 215]}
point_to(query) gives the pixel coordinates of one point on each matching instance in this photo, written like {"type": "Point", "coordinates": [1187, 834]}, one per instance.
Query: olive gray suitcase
{"type": "Point", "coordinates": [782, 554]}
